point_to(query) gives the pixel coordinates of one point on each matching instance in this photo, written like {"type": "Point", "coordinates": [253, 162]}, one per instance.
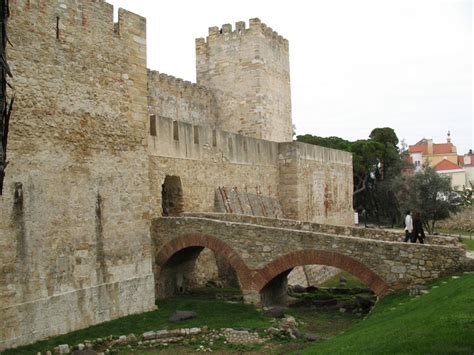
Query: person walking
{"type": "Point", "coordinates": [408, 226]}
{"type": "Point", "coordinates": [418, 232]}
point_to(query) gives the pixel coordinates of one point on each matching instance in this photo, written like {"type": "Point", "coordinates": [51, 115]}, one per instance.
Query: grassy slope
{"type": "Point", "coordinates": [440, 322]}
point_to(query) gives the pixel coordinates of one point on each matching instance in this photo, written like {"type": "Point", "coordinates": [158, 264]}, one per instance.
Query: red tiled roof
{"type": "Point", "coordinates": [418, 148]}
{"type": "Point", "coordinates": [442, 148]}
{"type": "Point", "coordinates": [445, 164]}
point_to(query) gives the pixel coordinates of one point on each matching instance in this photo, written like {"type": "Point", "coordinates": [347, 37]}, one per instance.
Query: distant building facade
{"type": "Point", "coordinates": [443, 158]}
{"type": "Point", "coordinates": [468, 165]}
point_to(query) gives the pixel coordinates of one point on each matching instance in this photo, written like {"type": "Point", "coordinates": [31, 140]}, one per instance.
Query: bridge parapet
{"type": "Point", "coordinates": [368, 233]}
{"type": "Point", "coordinates": [260, 253]}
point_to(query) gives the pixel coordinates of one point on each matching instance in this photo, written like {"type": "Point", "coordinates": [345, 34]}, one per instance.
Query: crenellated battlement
{"type": "Point", "coordinates": [172, 83]}
{"type": "Point", "coordinates": [255, 27]}
{"type": "Point", "coordinates": [64, 19]}
{"type": "Point", "coordinates": [95, 137]}
{"type": "Point", "coordinates": [180, 99]}
{"type": "Point", "coordinates": [250, 64]}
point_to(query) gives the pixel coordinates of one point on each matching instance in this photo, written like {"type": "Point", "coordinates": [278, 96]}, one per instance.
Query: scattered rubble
{"type": "Point", "coordinates": [284, 327]}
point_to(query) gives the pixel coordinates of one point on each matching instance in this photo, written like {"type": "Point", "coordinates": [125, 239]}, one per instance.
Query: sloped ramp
{"type": "Point", "coordinates": [231, 200]}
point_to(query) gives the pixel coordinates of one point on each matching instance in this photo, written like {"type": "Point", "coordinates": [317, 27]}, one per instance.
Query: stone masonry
{"type": "Point", "coordinates": [252, 66]}
{"type": "Point", "coordinates": [74, 219]}
{"type": "Point", "coordinates": [310, 182]}
{"type": "Point", "coordinates": [94, 137]}
{"type": "Point", "coordinates": [261, 254]}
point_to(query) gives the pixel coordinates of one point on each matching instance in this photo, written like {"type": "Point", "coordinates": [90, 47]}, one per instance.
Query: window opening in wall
{"type": "Point", "coordinates": [196, 134]}
{"type": "Point", "coordinates": [153, 125]}
{"type": "Point", "coordinates": [172, 196]}
{"type": "Point", "coordinates": [229, 143]}
{"type": "Point", "coordinates": [258, 148]}
{"type": "Point", "coordinates": [214, 138]}
{"type": "Point", "coordinates": [57, 27]}
{"type": "Point", "coordinates": [175, 131]}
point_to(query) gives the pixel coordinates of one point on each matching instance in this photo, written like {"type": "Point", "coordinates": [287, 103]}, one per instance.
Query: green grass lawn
{"type": "Point", "coordinates": [352, 281]}
{"type": "Point", "coordinates": [469, 244]}
{"type": "Point", "coordinates": [440, 322]}
{"type": "Point", "coordinates": [214, 314]}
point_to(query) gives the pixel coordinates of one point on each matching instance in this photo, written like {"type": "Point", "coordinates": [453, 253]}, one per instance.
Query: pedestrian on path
{"type": "Point", "coordinates": [408, 227]}
{"type": "Point", "coordinates": [418, 233]}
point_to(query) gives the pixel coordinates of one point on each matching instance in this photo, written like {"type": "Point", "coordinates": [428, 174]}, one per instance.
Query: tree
{"type": "Point", "coordinates": [390, 162]}
{"type": "Point", "coordinates": [376, 162]}
{"type": "Point", "coordinates": [466, 196]}
{"type": "Point", "coordinates": [432, 195]}
{"type": "Point", "coordinates": [365, 159]}
{"type": "Point", "coordinates": [328, 142]}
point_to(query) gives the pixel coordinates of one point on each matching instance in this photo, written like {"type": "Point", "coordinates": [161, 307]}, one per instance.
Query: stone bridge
{"type": "Point", "coordinates": [262, 251]}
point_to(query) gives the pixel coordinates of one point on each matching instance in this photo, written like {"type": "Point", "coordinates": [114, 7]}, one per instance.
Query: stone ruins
{"type": "Point", "coordinates": [100, 146]}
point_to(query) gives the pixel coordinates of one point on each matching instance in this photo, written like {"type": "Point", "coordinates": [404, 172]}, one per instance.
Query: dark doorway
{"type": "Point", "coordinates": [172, 196]}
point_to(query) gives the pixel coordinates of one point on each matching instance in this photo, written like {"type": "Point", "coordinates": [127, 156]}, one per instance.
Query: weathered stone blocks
{"type": "Point", "coordinates": [377, 263]}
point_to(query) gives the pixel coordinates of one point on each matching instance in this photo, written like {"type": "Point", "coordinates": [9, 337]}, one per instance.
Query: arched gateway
{"type": "Point", "coordinates": [262, 255]}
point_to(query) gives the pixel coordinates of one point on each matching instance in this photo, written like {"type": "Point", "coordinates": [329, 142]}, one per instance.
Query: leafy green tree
{"type": "Point", "coordinates": [390, 162]}
{"type": "Point", "coordinates": [432, 195]}
{"type": "Point", "coordinates": [376, 162]}
{"type": "Point", "coordinates": [365, 161]}
{"type": "Point", "coordinates": [466, 195]}
{"type": "Point", "coordinates": [328, 142]}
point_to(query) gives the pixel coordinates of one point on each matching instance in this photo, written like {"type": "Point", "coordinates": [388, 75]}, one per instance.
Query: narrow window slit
{"type": "Point", "coordinates": [153, 125]}
{"type": "Point", "coordinates": [214, 138]}
{"type": "Point", "coordinates": [57, 27]}
{"type": "Point", "coordinates": [196, 134]}
{"type": "Point", "coordinates": [175, 131]}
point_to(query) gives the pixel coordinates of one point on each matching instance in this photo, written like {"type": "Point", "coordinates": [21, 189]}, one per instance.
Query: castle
{"type": "Point", "coordinates": [99, 145]}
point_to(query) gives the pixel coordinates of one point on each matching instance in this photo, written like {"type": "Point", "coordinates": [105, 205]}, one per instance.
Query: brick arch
{"type": "Point", "coordinates": [321, 257]}
{"type": "Point", "coordinates": [211, 242]}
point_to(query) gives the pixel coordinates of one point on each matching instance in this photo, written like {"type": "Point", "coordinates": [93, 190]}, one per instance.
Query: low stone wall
{"type": "Point", "coordinates": [367, 233]}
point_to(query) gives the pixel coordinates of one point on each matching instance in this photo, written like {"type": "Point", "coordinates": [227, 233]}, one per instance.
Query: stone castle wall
{"type": "Point", "coordinates": [74, 218]}
{"type": "Point", "coordinates": [312, 183]}
{"type": "Point", "coordinates": [93, 137]}
{"type": "Point", "coordinates": [181, 100]}
{"type": "Point", "coordinates": [315, 183]}
{"type": "Point", "coordinates": [217, 158]}
{"type": "Point", "coordinates": [252, 66]}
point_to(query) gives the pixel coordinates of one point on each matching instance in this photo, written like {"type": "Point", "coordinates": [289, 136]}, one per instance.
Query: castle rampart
{"type": "Point", "coordinates": [181, 100]}
{"type": "Point", "coordinates": [251, 65]}
{"type": "Point", "coordinates": [312, 183]}
{"type": "Point", "coordinates": [94, 136]}
{"type": "Point", "coordinates": [315, 183]}
{"type": "Point", "coordinates": [73, 250]}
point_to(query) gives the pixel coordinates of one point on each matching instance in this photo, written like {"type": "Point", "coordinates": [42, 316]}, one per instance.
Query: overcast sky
{"type": "Point", "coordinates": [355, 65]}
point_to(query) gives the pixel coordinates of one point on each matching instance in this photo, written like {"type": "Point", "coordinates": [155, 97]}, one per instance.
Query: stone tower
{"type": "Point", "coordinates": [249, 69]}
